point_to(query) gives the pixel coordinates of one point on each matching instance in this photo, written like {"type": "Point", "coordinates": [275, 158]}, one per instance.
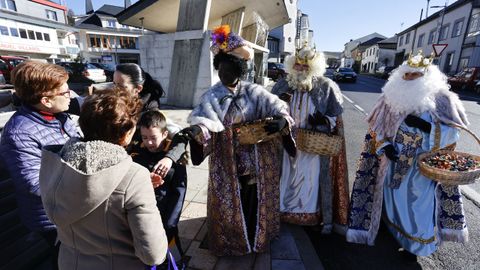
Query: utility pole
{"type": "Point", "coordinates": [428, 5]}
{"type": "Point", "coordinates": [444, 7]}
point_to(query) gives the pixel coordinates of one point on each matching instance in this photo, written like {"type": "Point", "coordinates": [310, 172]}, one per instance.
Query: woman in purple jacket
{"type": "Point", "coordinates": [40, 121]}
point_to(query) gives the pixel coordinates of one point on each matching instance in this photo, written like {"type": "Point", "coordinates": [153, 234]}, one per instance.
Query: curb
{"type": "Point", "coordinates": [471, 194]}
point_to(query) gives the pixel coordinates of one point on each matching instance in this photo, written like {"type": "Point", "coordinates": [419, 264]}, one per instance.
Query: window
{"type": "Point", "coordinates": [51, 15]}
{"type": "Point", "coordinates": [400, 41]}
{"type": "Point", "coordinates": [39, 35]}
{"type": "Point", "coordinates": [463, 63]}
{"type": "Point", "coordinates": [46, 37]}
{"type": "Point", "coordinates": [31, 34]}
{"type": "Point", "coordinates": [8, 4]}
{"type": "Point", "coordinates": [474, 25]}
{"type": "Point", "coordinates": [431, 36]}
{"type": "Point", "coordinates": [444, 32]}
{"type": "Point", "coordinates": [23, 33]}
{"type": "Point", "coordinates": [407, 38]}
{"type": "Point", "coordinates": [3, 30]}
{"type": "Point", "coordinates": [457, 28]}
{"type": "Point", "coordinates": [420, 40]}
{"type": "Point", "coordinates": [111, 23]}
{"type": "Point", "coordinates": [13, 32]}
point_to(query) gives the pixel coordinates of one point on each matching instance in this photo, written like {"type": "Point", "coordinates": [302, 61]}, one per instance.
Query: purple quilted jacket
{"type": "Point", "coordinates": [23, 138]}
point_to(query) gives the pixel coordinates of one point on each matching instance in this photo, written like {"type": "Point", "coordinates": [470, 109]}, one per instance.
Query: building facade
{"type": "Point", "coordinates": [381, 54]}
{"type": "Point", "coordinates": [351, 52]}
{"type": "Point", "coordinates": [457, 25]}
{"type": "Point", "coordinates": [36, 29]}
{"type": "Point", "coordinates": [103, 39]}
{"type": "Point", "coordinates": [281, 40]}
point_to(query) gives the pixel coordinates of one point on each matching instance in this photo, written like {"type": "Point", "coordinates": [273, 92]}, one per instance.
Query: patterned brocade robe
{"type": "Point", "coordinates": [420, 213]}
{"type": "Point", "coordinates": [314, 188]}
{"type": "Point", "coordinates": [218, 111]}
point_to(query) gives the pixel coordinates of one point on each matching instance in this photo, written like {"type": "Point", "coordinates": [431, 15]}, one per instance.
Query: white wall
{"type": "Point", "coordinates": [29, 46]}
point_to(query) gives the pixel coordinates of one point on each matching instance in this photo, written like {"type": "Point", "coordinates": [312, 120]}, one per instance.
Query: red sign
{"type": "Point", "coordinates": [439, 48]}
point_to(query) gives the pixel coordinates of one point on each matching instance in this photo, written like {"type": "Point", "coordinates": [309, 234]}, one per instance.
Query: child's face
{"type": "Point", "coordinates": [152, 138]}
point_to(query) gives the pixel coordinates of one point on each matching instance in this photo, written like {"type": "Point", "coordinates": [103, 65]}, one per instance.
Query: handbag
{"type": "Point", "coordinates": [171, 264]}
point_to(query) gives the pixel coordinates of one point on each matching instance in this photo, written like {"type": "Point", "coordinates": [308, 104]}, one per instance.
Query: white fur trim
{"type": "Point", "coordinates": [459, 236]}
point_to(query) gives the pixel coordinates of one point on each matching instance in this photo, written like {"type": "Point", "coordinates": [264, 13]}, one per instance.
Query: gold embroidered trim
{"type": "Point", "coordinates": [408, 236]}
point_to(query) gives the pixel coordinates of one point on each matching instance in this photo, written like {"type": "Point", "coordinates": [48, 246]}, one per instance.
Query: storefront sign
{"type": "Point", "coordinates": [28, 48]}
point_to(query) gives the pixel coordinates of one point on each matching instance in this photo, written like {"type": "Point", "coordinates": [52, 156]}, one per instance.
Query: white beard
{"type": "Point", "coordinates": [416, 96]}
{"type": "Point", "coordinates": [300, 80]}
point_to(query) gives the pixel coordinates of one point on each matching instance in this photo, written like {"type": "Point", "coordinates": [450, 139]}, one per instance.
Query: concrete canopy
{"type": "Point", "coordinates": [162, 16]}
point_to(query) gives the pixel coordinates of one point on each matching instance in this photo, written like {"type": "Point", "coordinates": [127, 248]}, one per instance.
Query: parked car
{"type": "Point", "coordinates": [107, 69]}
{"type": "Point", "coordinates": [276, 71]}
{"type": "Point", "coordinates": [345, 74]}
{"type": "Point", "coordinates": [7, 63]}
{"type": "Point", "coordinates": [386, 72]}
{"type": "Point", "coordinates": [83, 72]}
{"type": "Point", "coordinates": [2, 80]}
{"type": "Point", "coordinates": [329, 73]}
{"type": "Point", "coordinates": [466, 79]}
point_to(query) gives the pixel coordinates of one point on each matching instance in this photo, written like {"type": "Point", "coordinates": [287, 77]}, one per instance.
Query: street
{"type": "Point", "coordinates": [336, 253]}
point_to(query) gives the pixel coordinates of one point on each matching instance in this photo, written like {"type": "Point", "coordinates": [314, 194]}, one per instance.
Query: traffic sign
{"type": "Point", "coordinates": [439, 48]}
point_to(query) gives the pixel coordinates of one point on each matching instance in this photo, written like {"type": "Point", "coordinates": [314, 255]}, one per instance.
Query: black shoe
{"type": "Point", "coordinates": [410, 257]}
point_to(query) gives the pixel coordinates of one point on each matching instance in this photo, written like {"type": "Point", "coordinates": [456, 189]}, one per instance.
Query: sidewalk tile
{"type": "Point", "coordinates": [195, 210]}
{"type": "Point", "coordinates": [201, 196]}
{"type": "Point", "coordinates": [287, 265]}
{"type": "Point", "coordinates": [284, 247]}
{"type": "Point", "coordinates": [235, 262]}
{"type": "Point", "coordinates": [201, 233]}
{"type": "Point", "coordinates": [189, 228]}
{"type": "Point", "coordinates": [200, 258]}
{"type": "Point", "coordinates": [263, 261]}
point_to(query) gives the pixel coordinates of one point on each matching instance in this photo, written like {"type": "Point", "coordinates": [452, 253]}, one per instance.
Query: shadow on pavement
{"type": "Point", "coordinates": [335, 253]}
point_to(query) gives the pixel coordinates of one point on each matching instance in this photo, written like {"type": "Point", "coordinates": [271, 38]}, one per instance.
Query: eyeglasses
{"type": "Point", "coordinates": [64, 93]}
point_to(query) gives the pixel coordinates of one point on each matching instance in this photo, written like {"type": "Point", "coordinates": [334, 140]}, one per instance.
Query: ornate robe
{"type": "Point", "coordinates": [419, 212]}
{"type": "Point", "coordinates": [314, 188]}
{"type": "Point", "coordinates": [218, 111]}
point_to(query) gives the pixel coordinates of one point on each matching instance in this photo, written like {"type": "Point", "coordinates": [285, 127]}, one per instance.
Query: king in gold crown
{"type": "Point", "coordinates": [419, 61]}
{"type": "Point", "coordinates": [304, 55]}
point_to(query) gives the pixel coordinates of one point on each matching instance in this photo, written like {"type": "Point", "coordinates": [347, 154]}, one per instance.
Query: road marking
{"type": "Point", "coordinates": [349, 100]}
{"type": "Point", "coordinates": [471, 194]}
{"type": "Point", "coordinates": [355, 105]}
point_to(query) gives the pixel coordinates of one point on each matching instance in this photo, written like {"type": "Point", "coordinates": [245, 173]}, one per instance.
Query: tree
{"type": "Point", "coordinates": [70, 17]}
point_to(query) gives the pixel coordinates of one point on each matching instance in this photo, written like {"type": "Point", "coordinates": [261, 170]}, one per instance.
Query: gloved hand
{"type": "Point", "coordinates": [390, 152]}
{"type": "Point", "coordinates": [286, 97]}
{"type": "Point", "coordinates": [191, 132]}
{"type": "Point", "coordinates": [318, 119]}
{"type": "Point", "coordinates": [414, 121]}
{"type": "Point", "coordinates": [275, 125]}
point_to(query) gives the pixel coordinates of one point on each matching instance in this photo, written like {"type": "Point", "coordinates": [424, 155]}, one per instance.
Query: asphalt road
{"type": "Point", "coordinates": [336, 253]}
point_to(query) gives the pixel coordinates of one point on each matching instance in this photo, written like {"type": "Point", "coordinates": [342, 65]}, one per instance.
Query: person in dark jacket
{"type": "Point", "coordinates": [170, 189]}
{"type": "Point", "coordinates": [40, 121]}
{"type": "Point", "coordinates": [132, 77]}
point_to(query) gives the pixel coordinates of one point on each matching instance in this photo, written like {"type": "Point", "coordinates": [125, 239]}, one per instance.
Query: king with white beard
{"type": "Point", "coordinates": [313, 188]}
{"type": "Point", "coordinates": [412, 116]}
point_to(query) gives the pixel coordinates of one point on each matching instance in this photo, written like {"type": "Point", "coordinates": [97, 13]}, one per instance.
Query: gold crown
{"type": "Point", "coordinates": [303, 60]}
{"type": "Point", "coordinates": [419, 60]}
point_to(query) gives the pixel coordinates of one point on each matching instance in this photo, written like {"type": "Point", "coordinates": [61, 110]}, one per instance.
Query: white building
{"type": "Point", "coordinates": [36, 29]}
{"type": "Point", "coordinates": [381, 54]}
{"type": "Point", "coordinates": [281, 40]}
{"type": "Point", "coordinates": [458, 26]}
{"type": "Point", "coordinates": [347, 59]}
{"type": "Point", "coordinates": [103, 39]}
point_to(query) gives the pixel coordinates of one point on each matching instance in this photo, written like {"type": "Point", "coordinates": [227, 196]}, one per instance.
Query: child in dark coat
{"type": "Point", "coordinates": [170, 184]}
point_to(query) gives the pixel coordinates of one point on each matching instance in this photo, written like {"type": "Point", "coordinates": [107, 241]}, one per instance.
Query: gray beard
{"type": "Point", "coordinates": [301, 81]}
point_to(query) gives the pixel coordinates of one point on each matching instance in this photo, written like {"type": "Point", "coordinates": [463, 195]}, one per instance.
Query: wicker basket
{"type": "Point", "coordinates": [253, 132]}
{"type": "Point", "coordinates": [448, 177]}
{"type": "Point", "coordinates": [318, 143]}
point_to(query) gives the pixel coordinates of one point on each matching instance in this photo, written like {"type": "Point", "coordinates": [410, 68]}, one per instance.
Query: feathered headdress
{"type": "Point", "coordinates": [227, 41]}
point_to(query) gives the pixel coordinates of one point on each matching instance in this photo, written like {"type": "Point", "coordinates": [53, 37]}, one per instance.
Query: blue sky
{"type": "Point", "coordinates": [336, 22]}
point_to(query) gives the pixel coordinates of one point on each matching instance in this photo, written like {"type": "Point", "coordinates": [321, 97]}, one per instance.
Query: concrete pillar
{"type": "Point", "coordinates": [235, 20]}
{"type": "Point", "coordinates": [192, 24]}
